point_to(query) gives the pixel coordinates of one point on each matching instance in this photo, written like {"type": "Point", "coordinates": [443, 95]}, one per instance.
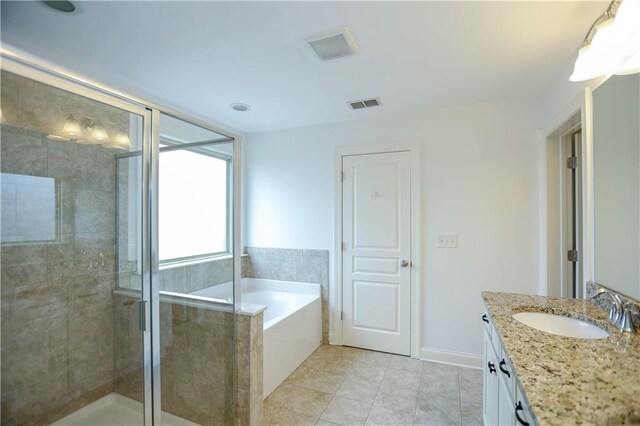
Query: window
{"type": "Point", "coordinates": [194, 203]}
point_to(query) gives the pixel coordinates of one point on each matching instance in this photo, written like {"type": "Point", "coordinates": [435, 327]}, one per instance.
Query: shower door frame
{"type": "Point", "coordinates": [28, 66]}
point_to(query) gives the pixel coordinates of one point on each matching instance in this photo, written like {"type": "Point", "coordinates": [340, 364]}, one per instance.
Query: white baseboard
{"type": "Point", "coordinates": [460, 359]}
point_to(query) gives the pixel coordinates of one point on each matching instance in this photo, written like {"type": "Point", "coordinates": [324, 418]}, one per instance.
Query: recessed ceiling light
{"type": "Point", "coordinates": [60, 6]}
{"type": "Point", "coordinates": [240, 107]}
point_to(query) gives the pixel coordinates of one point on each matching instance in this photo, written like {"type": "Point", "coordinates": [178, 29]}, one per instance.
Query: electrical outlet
{"type": "Point", "coordinates": [447, 240]}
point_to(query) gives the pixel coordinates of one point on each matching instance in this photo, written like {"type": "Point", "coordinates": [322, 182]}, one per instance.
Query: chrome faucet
{"type": "Point", "coordinates": [619, 313]}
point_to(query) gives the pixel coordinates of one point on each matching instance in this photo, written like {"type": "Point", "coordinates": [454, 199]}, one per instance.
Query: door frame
{"type": "Point", "coordinates": [335, 290]}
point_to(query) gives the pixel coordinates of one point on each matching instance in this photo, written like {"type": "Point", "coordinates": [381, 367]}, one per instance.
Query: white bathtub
{"type": "Point", "coordinates": [292, 322]}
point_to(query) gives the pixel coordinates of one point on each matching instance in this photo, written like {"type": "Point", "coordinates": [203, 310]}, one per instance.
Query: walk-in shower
{"type": "Point", "coordinates": [112, 212]}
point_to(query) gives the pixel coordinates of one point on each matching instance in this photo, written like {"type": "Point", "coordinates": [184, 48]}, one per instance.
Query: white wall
{"type": "Point", "coordinates": [480, 179]}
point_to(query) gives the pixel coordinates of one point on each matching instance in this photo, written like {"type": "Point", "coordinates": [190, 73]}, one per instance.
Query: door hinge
{"type": "Point", "coordinates": [341, 315]}
{"type": "Point", "coordinates": [341, 176]}
{"type": "Point", "coordinates": [572, 162]}
{"type": "Point", "coordinates": [572, 255]}
{"type": "Point", "coordinates": [342, 245]}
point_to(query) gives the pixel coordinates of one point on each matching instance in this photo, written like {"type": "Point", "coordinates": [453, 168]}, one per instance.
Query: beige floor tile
{"type": "Point", "coordinates": [436, 417]}
{"type": "Point", "coordinates": [401, 379]}
{"type": "Point", "coordinates": [435, 407]}
{"type": "Point", "coordinates": [438, 378]}
{"type": "Point", "coordinates": [349, 354]}
{"type": "Point", "coordinates": [324, 423]}
{"type": "Point", "coordinates": [470, 375]}
{"type": "Point", "coordinates": [373, 359]}
{"type": "Point", "coordinates": [269, 410]}
{"type": "Point", "coordinates": [406, 363]}
{"type": "Point", "coordinates": [337, 366]}
{"type": "Point", "coordinates": [290, 418]}
{"type": "Point", "coordinates": [360, 390]}
{"type": "Point", "coordinates": [306, 401]}
{"type": "Point", "coordinates": [344, 411]}
{"type": "Point", "coordinates": [472, 413]}
{"type": "Point", "coordinates": [386, 417]}
{"type": "Point", "coordinates": [370, 374]}
{"type": "Point", "coordinates": [396, 399]}
{"type": "Point", "coordinates": [278, 397]}
{"type": "Point", "coordinates": [318, 380]}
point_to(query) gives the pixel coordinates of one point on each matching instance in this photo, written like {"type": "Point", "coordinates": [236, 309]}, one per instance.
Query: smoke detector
{"type": "Point", "coordinates": [365, 103]}
{"type": "Point", "coordinates": [333, 44]}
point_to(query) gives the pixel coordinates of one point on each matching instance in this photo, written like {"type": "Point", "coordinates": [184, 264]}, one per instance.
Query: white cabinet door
{"type": "Point", "coordinates": [506, 406]}
{"type": "Point", "coordinates": [376, 258]}
{"type": "Point", "coordinates": [491, 384]}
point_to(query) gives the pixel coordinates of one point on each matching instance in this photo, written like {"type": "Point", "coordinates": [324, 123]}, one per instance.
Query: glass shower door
{"type": "Point", "coordinates": [193, 271]}
{"type": "Point", "coordinates": [72, 261]}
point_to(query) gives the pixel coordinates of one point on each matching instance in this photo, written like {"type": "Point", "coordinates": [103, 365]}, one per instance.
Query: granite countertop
{"type": "Point", "coordinates": [568, 380]}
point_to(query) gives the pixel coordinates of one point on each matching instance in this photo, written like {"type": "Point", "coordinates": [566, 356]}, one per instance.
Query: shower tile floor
{"type": "Point", "coordinates": [347, 386]}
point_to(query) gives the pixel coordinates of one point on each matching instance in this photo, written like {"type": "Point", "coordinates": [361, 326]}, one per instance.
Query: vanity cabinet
{"type": "Point", "coordinates": [503, 400]}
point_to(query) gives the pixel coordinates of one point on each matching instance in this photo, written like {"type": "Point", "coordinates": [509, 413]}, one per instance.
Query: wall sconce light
{"type": "Point", "coordinates": [612, 44]}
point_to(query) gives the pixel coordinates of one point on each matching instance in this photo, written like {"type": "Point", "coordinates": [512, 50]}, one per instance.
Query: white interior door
{"type": "Point", "coordinates": [376, 257]}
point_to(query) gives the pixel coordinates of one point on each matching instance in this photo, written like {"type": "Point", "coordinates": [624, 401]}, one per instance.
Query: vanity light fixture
{"type": "Point", "coordinates": [71, 128]}
{"type": "Point", "coordinates": [90, 131]}
{"type": "Point", "coordinates": [612, 44]}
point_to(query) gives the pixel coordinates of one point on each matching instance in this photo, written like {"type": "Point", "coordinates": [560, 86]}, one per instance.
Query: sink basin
{"type": "Point", "coordinates": [561, 325]}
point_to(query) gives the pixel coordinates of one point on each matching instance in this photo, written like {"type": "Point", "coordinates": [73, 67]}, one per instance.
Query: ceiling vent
{"type": "Point", "coordinates": [333, 44]}
{"type": "Point", "coordinates": [365, 103]}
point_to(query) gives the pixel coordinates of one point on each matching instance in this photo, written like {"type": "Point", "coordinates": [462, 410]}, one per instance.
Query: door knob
{"type": "Point", "coordinates": [404, 263]}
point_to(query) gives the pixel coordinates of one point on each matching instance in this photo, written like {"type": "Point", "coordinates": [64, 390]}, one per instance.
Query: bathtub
{"type": "Point", "coordinates": [292, 322]}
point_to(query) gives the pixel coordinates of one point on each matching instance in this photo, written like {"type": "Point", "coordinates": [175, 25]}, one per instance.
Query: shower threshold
{"type": "Point", "coordinates": [115, 410]}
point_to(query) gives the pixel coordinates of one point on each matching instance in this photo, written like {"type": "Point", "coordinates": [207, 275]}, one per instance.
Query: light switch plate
{"type": "Point", "coordinates": [447, 241]}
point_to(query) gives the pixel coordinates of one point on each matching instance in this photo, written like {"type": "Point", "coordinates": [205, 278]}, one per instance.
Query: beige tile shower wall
{"type": "Point", "coordinates": [310, 266]}
{"type": "Point", "coordinates": [56, 296]}
{"type": "Point", "coordinates": [197, 355]}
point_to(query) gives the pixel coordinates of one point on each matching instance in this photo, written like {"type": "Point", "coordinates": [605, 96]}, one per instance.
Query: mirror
{"type": "Point", "coordinates": [616, 153]}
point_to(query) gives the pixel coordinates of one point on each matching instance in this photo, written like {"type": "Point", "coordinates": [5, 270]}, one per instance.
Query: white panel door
{"type": "Point", "coordinates": [376, 257]}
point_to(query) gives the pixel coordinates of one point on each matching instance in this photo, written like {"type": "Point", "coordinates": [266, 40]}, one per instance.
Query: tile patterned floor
{"type": "Point", "coordinates": [347, 386]}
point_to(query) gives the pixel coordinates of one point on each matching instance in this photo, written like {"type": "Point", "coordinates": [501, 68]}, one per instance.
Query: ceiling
{"type": "Point", "coordinates": [199, 57]}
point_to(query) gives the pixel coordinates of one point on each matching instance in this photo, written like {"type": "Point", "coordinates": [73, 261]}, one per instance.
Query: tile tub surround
{"type": "Point", "coordinates": [301, 265]}
{"type": "Point", "coordinates": [248, 379]}
{"type": "Point", "coordinates": [348, 386]}
{"type": "Point", "coordinates": [568, 380]}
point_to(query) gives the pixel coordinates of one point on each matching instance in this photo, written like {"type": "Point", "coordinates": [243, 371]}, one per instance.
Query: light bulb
{"type": "Point", "coordinates": [632, 65]}
{"type": "Point", "coordinates": [99, 133]}
{"type": "Point", "coordinates": [71, 128]}
{"type": "Point", "coordinates": [121, 141]}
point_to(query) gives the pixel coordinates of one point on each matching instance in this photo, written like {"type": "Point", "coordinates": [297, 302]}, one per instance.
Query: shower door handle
{"type": "Point", "coordinates": [141, 307]}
